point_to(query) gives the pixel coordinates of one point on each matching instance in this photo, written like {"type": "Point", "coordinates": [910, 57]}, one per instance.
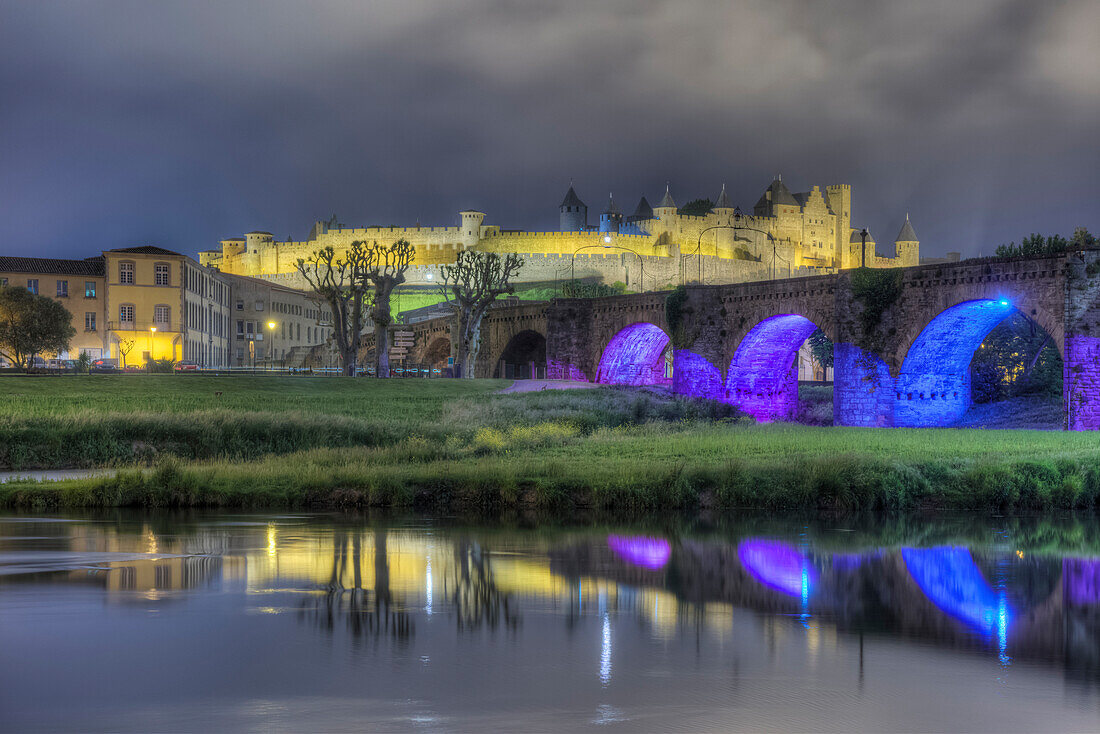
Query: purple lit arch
{"type": "Point", "coordinates": [763, 378]}
{"type": "Point", "coordinates": [635, 356]}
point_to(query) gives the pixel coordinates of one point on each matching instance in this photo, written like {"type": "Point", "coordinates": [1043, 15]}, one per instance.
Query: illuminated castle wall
{"type": "Point", "coordinates": [786, 235]}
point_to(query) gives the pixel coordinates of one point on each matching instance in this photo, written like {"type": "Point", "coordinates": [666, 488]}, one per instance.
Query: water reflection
{"type": "Point", "coordinates": [602, 598]}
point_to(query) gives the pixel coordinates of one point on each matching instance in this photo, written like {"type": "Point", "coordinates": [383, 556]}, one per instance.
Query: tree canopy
{"type": "Point", "coordinates": [697, 207]}
{"type": "Point", "coordinates": [1036, 245]}
{"type": "Point", "coordinates": [31, 324]}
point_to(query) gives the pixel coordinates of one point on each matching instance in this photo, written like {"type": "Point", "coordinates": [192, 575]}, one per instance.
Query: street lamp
{"type": "Point", "coordinates": [607, 246]}
{"type": "Point", "coordinates": [737, 216]}
{"type": "Point", "coordinates": [270, 347]}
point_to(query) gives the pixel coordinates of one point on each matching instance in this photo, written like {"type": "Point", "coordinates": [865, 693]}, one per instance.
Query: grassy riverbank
{"type": "Point", "coordinates": [286, 442]}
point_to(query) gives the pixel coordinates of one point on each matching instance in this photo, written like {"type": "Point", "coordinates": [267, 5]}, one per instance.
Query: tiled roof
{"type": "Point", "coordinates": [723, 200]}
{"type": "Point", "coordinates": [146, 250]}
{"type": "Point", "coordinates": [571, 198]}
{"type": "Point", "coordinates": [666, 200]}
{"type": "Point", "coordinates": [47, 265]}
{"type": "Point", "coordinates": [906, 234]}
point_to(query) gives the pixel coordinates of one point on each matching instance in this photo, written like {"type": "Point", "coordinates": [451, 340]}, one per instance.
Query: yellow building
{"type": "Point", "coordinates": [77, 284]}
{"type": "Point", "coordinates": [786, 235]}
{"type": "Point", "coordinates": [164, 305]}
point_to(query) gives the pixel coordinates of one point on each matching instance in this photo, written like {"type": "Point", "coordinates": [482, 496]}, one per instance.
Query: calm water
{"type": "Point", "coordinates": [302, 622]}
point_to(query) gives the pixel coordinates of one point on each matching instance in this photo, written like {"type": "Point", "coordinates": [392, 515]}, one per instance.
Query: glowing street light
{"type": "Point", "coordinates": [152, 330]}
{"type": "Point", "coordinates": [270, 347]}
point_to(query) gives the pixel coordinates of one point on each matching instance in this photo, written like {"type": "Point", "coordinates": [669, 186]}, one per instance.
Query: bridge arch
{"type": "Point", "coordinates": [638, 354]}
{"type": "Point", "coordinates": [523, 357]}
{"type": "Point", "coordinates": [437, 351]}
{"type": "Point", "coordinates": [934, 382]}
{"type": "Point", "coordinates": [763, 378]}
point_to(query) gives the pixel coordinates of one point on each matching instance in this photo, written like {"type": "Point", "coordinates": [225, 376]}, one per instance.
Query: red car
{"type": "Point", "coordinates": [186, 367]}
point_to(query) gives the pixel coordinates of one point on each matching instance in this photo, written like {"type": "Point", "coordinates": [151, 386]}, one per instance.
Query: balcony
{"type": "Point", "coordinates": [140, 326]}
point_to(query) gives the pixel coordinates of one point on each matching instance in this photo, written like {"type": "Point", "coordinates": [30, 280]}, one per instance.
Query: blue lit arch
{"type": "Point", "coordinates": [933, 386]}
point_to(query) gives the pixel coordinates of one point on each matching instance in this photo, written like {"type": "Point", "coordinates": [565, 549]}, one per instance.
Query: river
{"type": "Point", "coordinates": [120, 621]}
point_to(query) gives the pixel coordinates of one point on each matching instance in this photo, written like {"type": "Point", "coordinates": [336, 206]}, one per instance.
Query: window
{"type": "Point", "coordinates": [89, 321]}
{"type": "Point", "coordinates": [3, 282]}
{"type": "Point", "coordinates": [259, 305]}
{"type": "Point", "coordinates": [240, 328]}
{"type": "Point", "coordinates": [62, 289]}
{"type": "Point", "coordinates": [161, 274]}
{"type": "Point", "coordinates": [32, 285]}
{"type": "Point", "coordinates": [126, 273]}
{"type": "Point", "coordinates": [240, 305]}
{"type": "Point", "coordinates": [126, 314]}
{"type": "Point", "coordinates": [248, 327]}
{"type": "Point", "coordinates": [162, 315]}
{"type": "Point", "coordinates": [89, 289]}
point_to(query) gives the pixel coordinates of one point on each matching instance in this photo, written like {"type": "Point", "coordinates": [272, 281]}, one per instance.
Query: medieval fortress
{"type": "Point", "coordinates": [655, 248]}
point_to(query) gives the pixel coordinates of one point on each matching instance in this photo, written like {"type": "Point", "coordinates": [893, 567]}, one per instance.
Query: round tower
{"type": "Point", "coordinates": [906, 245]}
{"type": "Point", "coordinates": [573, 214]}
{"type": "Point", "coordinates": [470, 231]}
{"type": "Point", "coordinates": [255, 247]}
{"type": "Point", "coordinates": [612, 217]}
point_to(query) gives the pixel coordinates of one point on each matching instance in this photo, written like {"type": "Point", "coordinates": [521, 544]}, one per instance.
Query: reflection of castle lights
{"type": "Point", "coordinates": [271, 548]}
{"type": "Point", "coordinates": [778, 566]}
{"type": "Point", "coordinates": [951, 581]}
{"type": "Point", "coordinates": [605, 651]}
{"type": "Point", "coordinates": [428, 588]}
{"type": "Point", "coordinates": [651, 553]}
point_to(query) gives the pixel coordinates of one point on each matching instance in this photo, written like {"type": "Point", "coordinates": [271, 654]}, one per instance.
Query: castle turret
{"type": "Point", "coordinates": [906, 245]}
{"type": "Point", "coordinates": [862, 247]}
{"type": "Point", "coordinates": [839, 200]}
{"type": "Point", "coordinates": [723, 207]}
{"type": "Point", "coordinates": [611, 217]}
{"type": "Point", "coordinates": [470, 233]}
{"type": "Point", "coordinates": [643, 212]}
{"type": "Point", "coordinates": [573, 213]}
{"type": "Point", "coordinates": [667, 208]}
{"type": "Point", "coordinates": [777, 199]}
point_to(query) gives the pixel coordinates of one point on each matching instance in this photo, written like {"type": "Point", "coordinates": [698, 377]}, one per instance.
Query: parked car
{"type": "Point", "coordinates": [186, 366]}
{"type": "Point", "coordinates": [134, 368]}
{"type": "Point", "coordinates": [104, 366]}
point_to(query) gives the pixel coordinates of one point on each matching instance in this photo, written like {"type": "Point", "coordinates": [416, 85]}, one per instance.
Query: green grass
{"type": "Point", "coordinates": [290, 442]}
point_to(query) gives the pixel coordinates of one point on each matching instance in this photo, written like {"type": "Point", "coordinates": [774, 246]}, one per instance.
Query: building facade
{"type": "Point", "coordinates": [786, 235]}
{"type": "Point", "coordinates": [134, 304]}
{"type": "Point", "coordinates": [77, 284]}
{"type": "Point", "coordinates": [278, 326]}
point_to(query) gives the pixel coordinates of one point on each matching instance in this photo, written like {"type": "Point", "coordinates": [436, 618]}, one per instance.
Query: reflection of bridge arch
{"type": "Point", "coordinates": [523, 357]}
{"type": "Point", "coordinates": [637, 355]}
{"type": "Point", "coordinates": [933, 385]}
{"type": "Point", "coordinates": [763, 378]}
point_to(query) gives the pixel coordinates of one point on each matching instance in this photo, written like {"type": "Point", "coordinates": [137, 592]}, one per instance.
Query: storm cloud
{"type": "Point", "coordinates": [182, 123]}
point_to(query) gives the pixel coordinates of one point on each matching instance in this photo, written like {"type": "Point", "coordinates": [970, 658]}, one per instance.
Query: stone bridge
{"type": "Point", "coordinates": [903, 338]}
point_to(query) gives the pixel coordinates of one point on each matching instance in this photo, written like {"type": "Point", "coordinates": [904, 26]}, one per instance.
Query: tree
{"type": "Point", "coordinates": [822, 349]}
{"type": "Point", "coordinates": [1035, 245]}
{"type": "Point", "coordinates": [342, 282]}
{"type": "Point", "coordinates": [385, 270]}
{"type": "Point", "coordinates": [125, 346]}
{"type": "Point", "coordinates": [697, 208]}
{"type": "Point", "coordinates": [1016, 358]}
{"type": "Point", "coordinates": [31, 324]}
{"type": "Point", "coordinates": [472, 284]}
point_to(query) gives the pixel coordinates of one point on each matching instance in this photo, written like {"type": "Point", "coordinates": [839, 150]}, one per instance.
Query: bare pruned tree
{"type": "Point", "coordinates": [474, 281]}
{"type": "Point", "coordinates": [342, 282]}
{"type": "Point", "coordinates": [385, 270]}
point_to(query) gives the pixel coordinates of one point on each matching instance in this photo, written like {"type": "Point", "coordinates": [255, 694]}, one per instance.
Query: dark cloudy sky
{"type": "Point", "coordinates": [181, 123]}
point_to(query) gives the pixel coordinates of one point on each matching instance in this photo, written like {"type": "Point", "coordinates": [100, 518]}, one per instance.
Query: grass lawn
{"type": "Point", "coordinates": [284, 441]}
